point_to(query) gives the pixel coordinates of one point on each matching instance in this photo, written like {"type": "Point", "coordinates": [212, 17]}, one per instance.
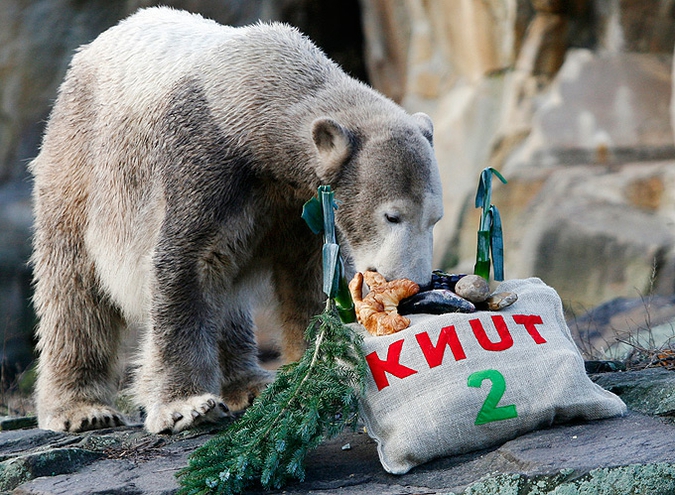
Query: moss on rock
{"type": "Point", "coordinates": [649, 479]}
{"type": "Point", "coordinates": [18, 470]}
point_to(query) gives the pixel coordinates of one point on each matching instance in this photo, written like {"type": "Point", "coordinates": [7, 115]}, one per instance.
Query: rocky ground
{"type": "Point", "coordinates": [631, 454]}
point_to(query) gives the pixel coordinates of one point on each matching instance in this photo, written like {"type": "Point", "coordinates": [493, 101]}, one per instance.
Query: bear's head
{"type": "Point", "coordinates": [388, 189]}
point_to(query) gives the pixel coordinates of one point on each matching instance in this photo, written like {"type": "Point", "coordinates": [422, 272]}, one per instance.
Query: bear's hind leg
{"type": "Point", "coordinates": [243, 378]}
{"type": "Point", "coordinates": [78, 338]}
{"type": "Point", "coordinates": [297, 282]}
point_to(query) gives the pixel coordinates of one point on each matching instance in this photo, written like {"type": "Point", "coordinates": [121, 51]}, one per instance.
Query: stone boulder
{"type": "Point", "coordinates": [627, 329]}
{"type": "Point", "coordinates": [588, 207]}
{"type": "Point", "coordinates": [649, 391]}
{"type": "Point", "coordinates": [630, 454]}
{"type": "Point", "coordinates": [593, 232]}
{"type": "Point", "coordinates": [609, 108]}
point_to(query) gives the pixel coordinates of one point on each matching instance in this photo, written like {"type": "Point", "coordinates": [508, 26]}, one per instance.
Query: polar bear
{"type": "Point", "coordinates": [170, 182]}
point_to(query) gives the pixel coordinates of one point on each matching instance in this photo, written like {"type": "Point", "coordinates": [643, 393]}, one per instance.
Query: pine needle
{"type": "Point", "coordinates": [310, 401]}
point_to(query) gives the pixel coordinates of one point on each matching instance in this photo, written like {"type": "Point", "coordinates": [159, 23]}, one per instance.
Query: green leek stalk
{"type": "Point", "coordinates": [319, 213]}
{"type": "Point", "coordinates": [482, 266]}
{"type": "Point", "coordinates": [490, 237]}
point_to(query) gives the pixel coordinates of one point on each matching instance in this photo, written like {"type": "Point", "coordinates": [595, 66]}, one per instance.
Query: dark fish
{"type": "Point", "coordinates": [437, 302]}
{"type": "Point", "coordinates": [442, 280]}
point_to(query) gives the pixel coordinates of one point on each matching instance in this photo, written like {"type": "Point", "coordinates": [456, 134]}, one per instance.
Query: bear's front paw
{"type": "Point", "coordinates": [181, 414]}
{"type": "Point", "coordinates": [81, 417]}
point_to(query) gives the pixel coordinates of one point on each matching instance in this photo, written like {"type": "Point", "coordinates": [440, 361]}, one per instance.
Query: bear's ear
{"type": "Point", "coordinates": [334, 144]}
{"type": "Point", "coordinates": [426, 125]}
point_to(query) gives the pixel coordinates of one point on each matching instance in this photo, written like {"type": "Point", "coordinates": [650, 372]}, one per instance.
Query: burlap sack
{"type": "Point", "coordinates": [455, 383]}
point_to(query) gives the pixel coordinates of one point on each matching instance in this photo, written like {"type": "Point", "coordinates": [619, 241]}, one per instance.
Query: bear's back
{"type": "Point", "coordinates": [145, 56]}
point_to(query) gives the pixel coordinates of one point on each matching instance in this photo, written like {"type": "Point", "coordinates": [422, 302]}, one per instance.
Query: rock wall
{"type": "Point", "coordinates": [36, 42]}
{"type": "Point", "coordinates": [570, 100]}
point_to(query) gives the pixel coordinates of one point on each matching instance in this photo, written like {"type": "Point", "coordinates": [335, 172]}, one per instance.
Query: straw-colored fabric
{"type": "Point", "coordinates": [455, 383]}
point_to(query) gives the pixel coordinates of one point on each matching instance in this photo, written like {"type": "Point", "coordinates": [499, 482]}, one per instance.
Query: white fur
{"type": "Point", "coordinates": [171, 180]}
{"type": "Point", "coordinates": [404, 247]}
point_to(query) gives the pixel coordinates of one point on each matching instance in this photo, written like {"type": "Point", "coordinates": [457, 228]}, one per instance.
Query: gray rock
{"type": "Point", "coordinates": [121, 460]}
{"type": "Point", "coordinates": [634, 319]}
{"type": "Point", "coordinates": [18, 442]}
{"type": "Point", "coordinates": [592, 232]}
{"type": "Point", "coordinates": [473, 287]}
{"type": "Point", "coordinates": [600, 108]}
{"type": "Point", "coordinates": [22, 468]}
{"type": "Point", "coordinates": [590, 181]}
{"type": "Point", "coordinates": [560, 456]}
{"type": "Point", "coordinates": [501, 300]}
{"type": "Point", "coordinates": [649, 391]}
{"type": "Point", "coordinates": [630, 454]}
{"type": "Point", "coordinates": [118, 476]}
{"type": "Point", "coordinates": [653, 479]}
{"type": "Point", "coordinates": [10, 423]}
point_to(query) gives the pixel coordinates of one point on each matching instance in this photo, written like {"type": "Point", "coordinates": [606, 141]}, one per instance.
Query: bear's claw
{"type": "Point", "coordinates": [83, 417]}
{"type": "Point", "coordinates": [181, 414]}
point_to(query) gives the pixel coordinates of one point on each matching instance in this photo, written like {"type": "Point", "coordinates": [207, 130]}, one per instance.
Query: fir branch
{"type": "Point", "coordinates": [308, 402]}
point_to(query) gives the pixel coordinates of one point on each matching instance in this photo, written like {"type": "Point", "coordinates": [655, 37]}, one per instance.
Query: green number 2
{"type": "Point", "coordinates": [490, 412]}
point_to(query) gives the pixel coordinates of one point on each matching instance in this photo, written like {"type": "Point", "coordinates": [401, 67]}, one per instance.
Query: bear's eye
{"type": "Point", "coordinates": [392, 217]}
